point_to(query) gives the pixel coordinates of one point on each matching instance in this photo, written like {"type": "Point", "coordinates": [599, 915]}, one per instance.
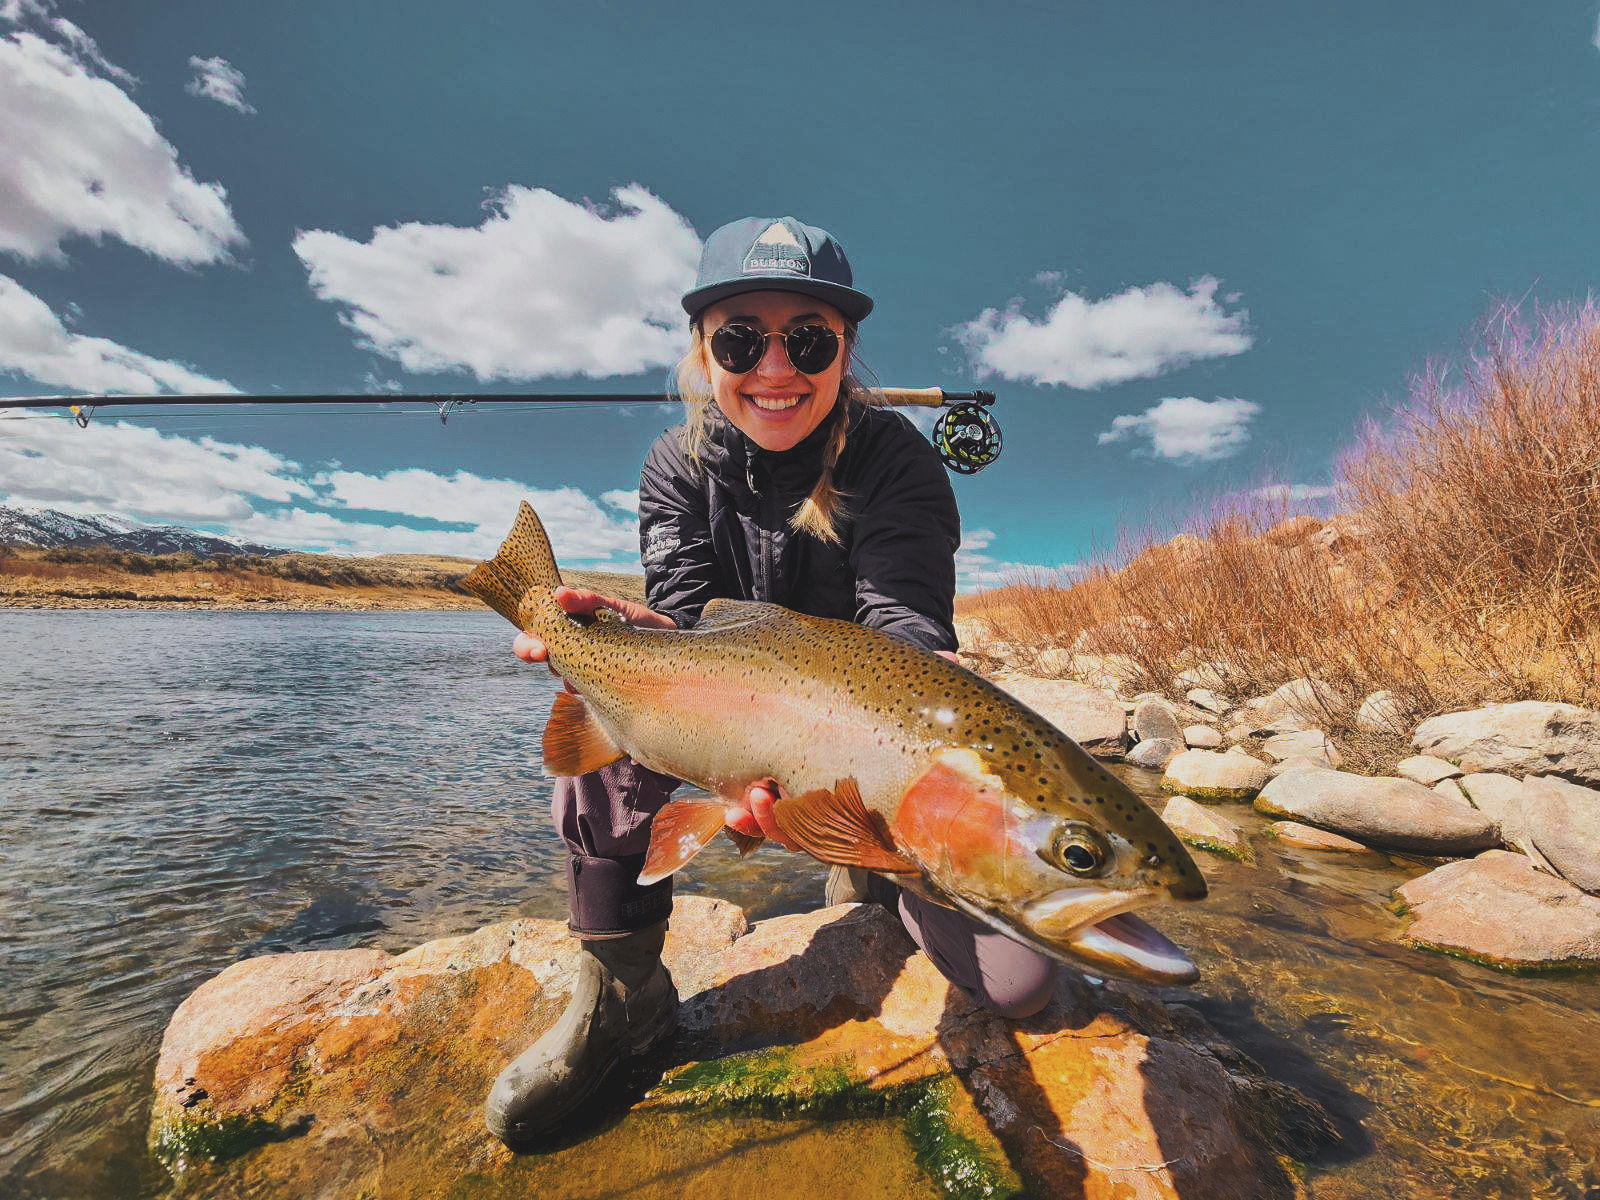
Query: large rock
{"type": "Point", "coordinates": [1308, 743]}
{"type": "Point", "coordinates": [1426, 770]}
{"type": "Point", "coordinates": [1201, 737]}
{"type": "Point", "coordinates": [1155, 719]}
{"type": "Point", "coordinates": [1498, 795]}
{"type": "Point", "coordinates": [1530, 737]}
{"type": "Point", "coordinates": [1496, 909]}
{"type": "Point", "coordinates": [1154, 753]}
{"type": "Point", "coordinates": [1394, 813]}
{"type": "Point", "coordinates": [1563, 821]}
{"type": "Point", "coordinates": [1207, 775]}
{"type": "Point", "coordinates": [1090, 716]}
{"type": "Point", "coordinates": [325, 1076]}
{"type": "Point", "coordinates": [1385, 712]}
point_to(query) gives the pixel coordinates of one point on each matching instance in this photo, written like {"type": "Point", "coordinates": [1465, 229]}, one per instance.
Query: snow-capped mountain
{"type": "Point", "coordinates": [48, 527]}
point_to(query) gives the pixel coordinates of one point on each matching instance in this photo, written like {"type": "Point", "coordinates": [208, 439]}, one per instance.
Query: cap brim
{"type": "Point", "coordinates": [853, 304]}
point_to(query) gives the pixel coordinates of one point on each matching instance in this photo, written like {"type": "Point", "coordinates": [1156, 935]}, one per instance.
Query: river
{"type": "Point", "coordinates": [181, 790]}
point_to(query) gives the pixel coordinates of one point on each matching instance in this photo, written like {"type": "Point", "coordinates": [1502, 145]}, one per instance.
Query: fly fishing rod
{"type": "Point", "coordinates": [965, 435]}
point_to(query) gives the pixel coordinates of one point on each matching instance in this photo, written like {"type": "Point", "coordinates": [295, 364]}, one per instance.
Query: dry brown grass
{"type": "Point", "coordinates": [1465, 571]}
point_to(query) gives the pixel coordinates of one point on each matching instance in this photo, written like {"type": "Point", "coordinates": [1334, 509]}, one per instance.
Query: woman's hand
{"type": "Point", "coordinates": [581, 602]}
{"type": "Point", "coordinates": [754, 815]}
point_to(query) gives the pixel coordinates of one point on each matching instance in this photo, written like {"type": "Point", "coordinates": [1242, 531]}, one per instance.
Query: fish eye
{"type": "Point", "coordinates": [1079, 850]}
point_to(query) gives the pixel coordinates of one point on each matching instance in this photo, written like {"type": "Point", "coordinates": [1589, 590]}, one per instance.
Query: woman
{"type": "Point", "coordinates": [784, 484]}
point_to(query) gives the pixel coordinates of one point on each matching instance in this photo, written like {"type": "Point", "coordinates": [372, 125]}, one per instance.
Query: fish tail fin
{"type": "Point", "coordinates": [524, 563]}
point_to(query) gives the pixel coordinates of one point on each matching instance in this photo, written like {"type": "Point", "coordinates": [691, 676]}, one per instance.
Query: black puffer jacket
{"type": "Point", "coordinates": [725, 532]}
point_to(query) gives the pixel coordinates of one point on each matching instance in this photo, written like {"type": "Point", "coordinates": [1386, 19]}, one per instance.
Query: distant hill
{"type": "Point", "coordinates": [47, 527]}
{"type": "Point", "coordinates": [58, 560]}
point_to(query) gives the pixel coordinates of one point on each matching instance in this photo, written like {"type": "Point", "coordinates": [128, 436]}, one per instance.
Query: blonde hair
{"type": "Point", "coordinates": [824, 509]}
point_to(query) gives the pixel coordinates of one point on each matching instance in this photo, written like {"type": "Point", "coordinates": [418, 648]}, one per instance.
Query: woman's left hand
{"type": "Point", "coordinates": [753, 816]}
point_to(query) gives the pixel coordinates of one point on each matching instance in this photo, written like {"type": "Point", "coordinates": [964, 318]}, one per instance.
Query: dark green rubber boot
{"type": "Point", "coordinates": [623, 1003]}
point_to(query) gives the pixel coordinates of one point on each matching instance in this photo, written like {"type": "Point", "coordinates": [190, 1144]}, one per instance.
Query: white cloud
{"type": "Point", "coordinates": [977, 570]}
{"type": "Point", "coordinates": [1294, 493]}
{"type": "Point", "coordinates": [543, 287]}
{"type": "Point", "coordinates": [35, 344]}
{"type": "Point", "coordinates": [78, 158]}
{"type": "Point", "coordinates": [1187, 429]}
{"type": "Point", "coordinates": [218, 79]}
{"type": "Point", "coordinates": [627, 501]}
{"type": "Point", "coordinates": [255, 494]}
{"type": "Point", "coordinates": [580, 529]}
{"type": "Point", "coordinates": [134, 471]}
{"type": "Point", "coordinates": [1137, 334]}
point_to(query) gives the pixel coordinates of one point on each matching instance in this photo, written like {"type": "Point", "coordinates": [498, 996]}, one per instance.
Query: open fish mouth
{"type": "Point", "coordinates": [1097, 930]}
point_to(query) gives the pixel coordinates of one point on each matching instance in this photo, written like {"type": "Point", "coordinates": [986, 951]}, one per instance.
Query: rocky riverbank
{"type": "Point", "coordinates": [1511, 790]}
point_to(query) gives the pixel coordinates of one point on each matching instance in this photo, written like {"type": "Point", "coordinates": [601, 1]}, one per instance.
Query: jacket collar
{"type": "Point", "coordinates": [734, 458]}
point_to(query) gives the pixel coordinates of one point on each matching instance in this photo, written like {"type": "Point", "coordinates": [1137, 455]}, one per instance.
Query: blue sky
{"type": "Point", "coordinates": [1189, 247]}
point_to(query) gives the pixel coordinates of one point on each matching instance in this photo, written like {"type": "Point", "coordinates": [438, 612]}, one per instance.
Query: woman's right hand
{"type": "Point", "coordinates": [581, 602]}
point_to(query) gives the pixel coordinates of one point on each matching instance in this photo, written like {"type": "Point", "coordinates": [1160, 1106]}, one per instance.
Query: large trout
{"type": "Point", "coordinates": [886, 757]}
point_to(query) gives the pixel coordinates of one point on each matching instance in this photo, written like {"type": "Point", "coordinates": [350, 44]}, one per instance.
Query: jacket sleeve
{"type": "Point", "coordinates": [905, 533]}
{"type": "Point", "coordinates": [680, 570]}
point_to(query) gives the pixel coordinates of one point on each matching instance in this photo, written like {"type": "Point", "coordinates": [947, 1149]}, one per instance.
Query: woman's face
{"type": "Point", "coordinates": [772, 404]}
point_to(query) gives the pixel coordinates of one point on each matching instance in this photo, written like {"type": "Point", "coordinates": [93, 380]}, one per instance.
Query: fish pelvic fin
{"type": "Point", "coordinates": [836, 827]}
{"type": "Point", "coordinates": [678, 832]}
{"type": "Point", "coordinates": [747, 842]}
{"type": "Point", "coordinates": [575, 743]}
{"type": "Point", "coordinates": [524, 563]}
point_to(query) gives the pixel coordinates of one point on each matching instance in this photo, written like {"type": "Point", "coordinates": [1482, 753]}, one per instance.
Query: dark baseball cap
{"type": "Point", "coordinates": [775, 254]}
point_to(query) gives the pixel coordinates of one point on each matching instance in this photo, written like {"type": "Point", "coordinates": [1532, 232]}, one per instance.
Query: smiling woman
{"type": "Point", "coordinates": [787, 483]}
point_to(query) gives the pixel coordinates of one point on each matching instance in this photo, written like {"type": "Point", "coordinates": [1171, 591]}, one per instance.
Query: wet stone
{"type": "Point", "coordinates": [1207, 775]}
{"type": "Point", "coordinates": [1309, 837]}
{"type": "Point", "coordinates": [1498, 910]}
{"type": "Point", "coordinates": [1207, 830]}
{"type": "Point", "coordinates": [362, 1074]}
{"type": "Point", "coordinates": [1154, 753]}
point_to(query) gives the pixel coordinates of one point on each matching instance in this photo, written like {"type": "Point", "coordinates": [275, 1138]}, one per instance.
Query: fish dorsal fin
{"type": "Point", "coordinates": [723, 614]}
{"type": "Point", "coordinates": [678, 832]}
{"type": "Point", "coordinates": [574, 742]}
{"type": "Point", "coordinates": [838, 828]}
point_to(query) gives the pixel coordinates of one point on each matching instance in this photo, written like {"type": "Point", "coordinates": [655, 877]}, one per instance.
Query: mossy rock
{"type": "Point", "coordinates": [951, 1141]}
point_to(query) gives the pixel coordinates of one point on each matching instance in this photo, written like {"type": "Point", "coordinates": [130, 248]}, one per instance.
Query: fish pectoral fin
{"type": "Point", "coordinates": [574, 742]}
{"type": "Point", "coordinates": [838, 828]}
{"type": "Point", "coordinates": [678, 832]}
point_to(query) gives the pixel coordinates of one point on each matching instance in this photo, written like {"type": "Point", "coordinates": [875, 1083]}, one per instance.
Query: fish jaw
{"type": "Point", "coordinates": [1097, 928]}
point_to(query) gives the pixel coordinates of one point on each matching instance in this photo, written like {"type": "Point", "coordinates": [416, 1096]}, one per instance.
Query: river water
{"type": "Point", "coordinates": [182, 790]}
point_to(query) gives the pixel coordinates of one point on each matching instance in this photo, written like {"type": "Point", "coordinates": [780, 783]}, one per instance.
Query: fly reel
{"type": "Point", "coordinates": [967, 437]}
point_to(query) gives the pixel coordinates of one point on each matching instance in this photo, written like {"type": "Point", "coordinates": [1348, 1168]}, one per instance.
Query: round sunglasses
{"type": "Point", "coordinates": [738, 348]}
